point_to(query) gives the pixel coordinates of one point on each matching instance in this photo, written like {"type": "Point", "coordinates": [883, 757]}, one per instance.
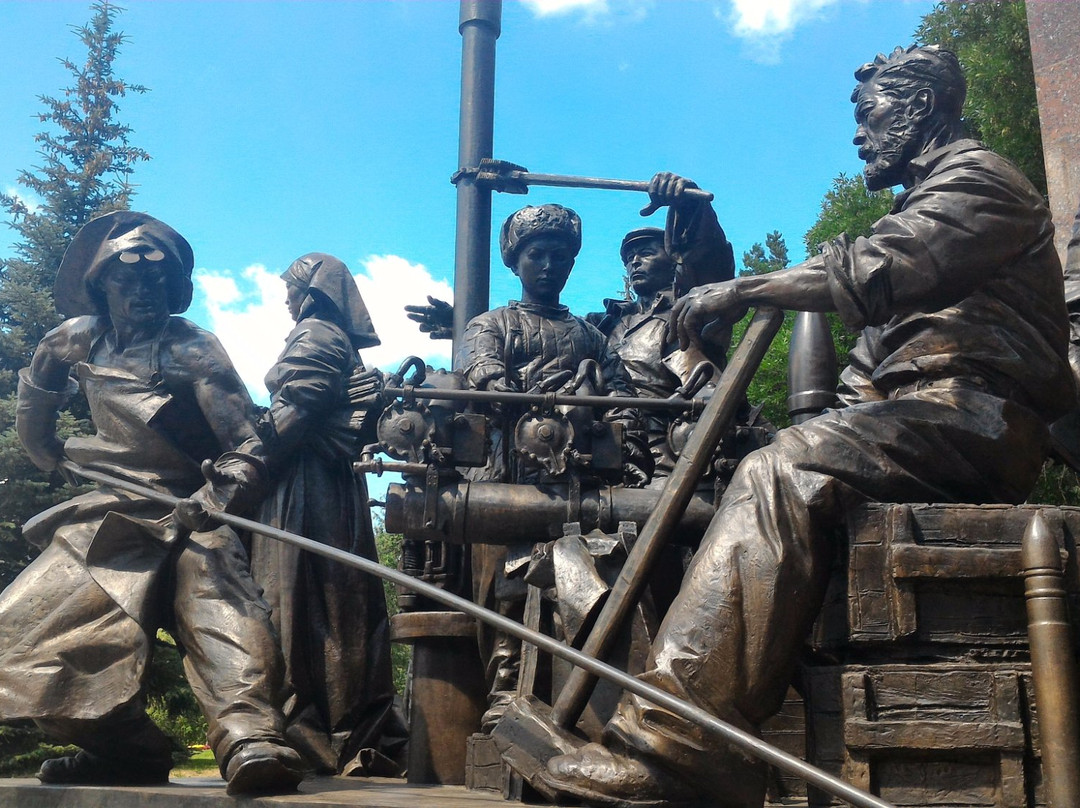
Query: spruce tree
{"type": "Point", "coordinates": [85, 170]}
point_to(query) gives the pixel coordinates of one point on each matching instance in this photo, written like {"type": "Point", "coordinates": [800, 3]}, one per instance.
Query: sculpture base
{"type": "Point", "coordinates": [209, 792]}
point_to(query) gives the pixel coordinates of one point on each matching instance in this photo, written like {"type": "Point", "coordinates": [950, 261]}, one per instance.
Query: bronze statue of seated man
{"type": "Point", "coordinates": [960, 366]}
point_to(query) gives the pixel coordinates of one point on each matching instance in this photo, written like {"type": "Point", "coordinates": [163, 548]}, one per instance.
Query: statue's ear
{"type": "Point", "coordinates": [922, 104]}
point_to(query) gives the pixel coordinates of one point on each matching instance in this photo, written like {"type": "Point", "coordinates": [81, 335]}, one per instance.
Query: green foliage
{"type": "Point", "coordinates": [756, 262]}
{"type": "Point", "coordinates": [847, 208]}
{"type": "Point", "coordinates": [769, 386]}
{"type": "Point", "coordinates": [170, 702]}
{"type": "Point", "coordinates": [23, 748]}
{"type": "Point", "coordinates": [991, 40]}
{"type": "Point", "coordinates": [86, 162]}
{"type": "Point", "coordinates": [1057, 485]}
{"type": "Point", "coordinates": [388, 546]}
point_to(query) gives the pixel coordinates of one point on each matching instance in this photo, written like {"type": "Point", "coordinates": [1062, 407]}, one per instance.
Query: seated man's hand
{"type": "Point", "coordinates": [665, 189]}
{"type": "Point", "coordinates": [436, 319]}
{"type": "Point", "coordinates": [711, 306]}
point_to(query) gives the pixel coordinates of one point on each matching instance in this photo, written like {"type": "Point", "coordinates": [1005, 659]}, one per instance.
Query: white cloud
{"type": "Point", "coordinates": [773, 17]}
{"type": "Point", "coordinates": [604, 12]}
{"type": "Point", "coordinates": [249, 315]}
{"type": "Point", "coordinates": [766, 24]}
{"type": "Point", "coordinates": [388, 284]}
{"type": "Point", "coordinates": [546, 8]}
{"type": "Point", "coordinates": [220, 290]}
{"type": "Point", "coordinates": [29, 200]}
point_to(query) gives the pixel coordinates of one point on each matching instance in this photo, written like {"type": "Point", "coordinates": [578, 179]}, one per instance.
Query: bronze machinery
{"type": "Point", "coordinates": [743, 740]}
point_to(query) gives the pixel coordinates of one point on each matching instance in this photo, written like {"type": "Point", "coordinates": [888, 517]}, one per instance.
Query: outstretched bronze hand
{"type": "Point", "coordinates": [711, 306]}
{"type": "Point", "coordinates": [436, 319]}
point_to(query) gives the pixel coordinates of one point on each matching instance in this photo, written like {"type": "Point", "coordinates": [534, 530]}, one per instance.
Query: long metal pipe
{"type": "Point", "coordinates": [733, 735]}
{"type": "Point", "coordinates": [479, 23]}
{"type": "Point", "coordinates": [602, 402]}
{"type": "Point", "coordinates": [490, 513]}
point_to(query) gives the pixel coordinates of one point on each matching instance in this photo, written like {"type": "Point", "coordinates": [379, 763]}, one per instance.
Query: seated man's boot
{"type": "Point", "coordinates": [263, 767]}
{"type": "Point", "coordinates": [84, 768]}
{"type": "Point", "coordinates": [600, 776]}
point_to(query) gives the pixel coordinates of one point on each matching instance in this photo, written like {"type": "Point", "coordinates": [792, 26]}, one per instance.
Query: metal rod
{"type": "Point", "coordinates": [737, 737]}
{"type": "Point", "coordinates": [479, 23]}
{"type": "Point", "coordinates": [603, 402]}
{"type": "Point", "coordinates": [1053, 663]}
{"type": "Point", "coordinates": [675, 496]}
{"type": "Point", "coordinates": [562, 181]}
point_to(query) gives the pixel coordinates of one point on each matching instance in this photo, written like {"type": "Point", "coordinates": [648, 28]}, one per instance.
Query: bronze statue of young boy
{"type": "Point", "coordinates": [521, 347]}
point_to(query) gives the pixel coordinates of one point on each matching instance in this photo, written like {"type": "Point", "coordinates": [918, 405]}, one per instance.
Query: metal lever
{"type": "Point", "coordinates": [510, 178]}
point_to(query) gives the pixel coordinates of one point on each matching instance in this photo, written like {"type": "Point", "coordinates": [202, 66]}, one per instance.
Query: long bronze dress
{"type": "Point", "coordinates": [332, 619]}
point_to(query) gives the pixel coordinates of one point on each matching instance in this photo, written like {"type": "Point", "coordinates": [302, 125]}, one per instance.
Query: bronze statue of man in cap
{"type": "Point", "coordinates": [636, 329]}
{"type": "Point", "coordinates": [960, 367]}
{"type": "Point", "coordinates": [77, 626]}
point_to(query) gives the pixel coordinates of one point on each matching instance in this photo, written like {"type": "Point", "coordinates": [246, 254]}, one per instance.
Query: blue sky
{"type": "Point", "coordinates": [280, 128]}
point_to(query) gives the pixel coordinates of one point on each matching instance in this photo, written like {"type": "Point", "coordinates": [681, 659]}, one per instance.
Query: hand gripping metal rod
{"type": "Point", "coordinates": [733, 735]}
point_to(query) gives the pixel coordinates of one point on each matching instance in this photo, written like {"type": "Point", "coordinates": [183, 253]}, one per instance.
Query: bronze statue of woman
{"type": "Point", "coordinates": [332, 619]}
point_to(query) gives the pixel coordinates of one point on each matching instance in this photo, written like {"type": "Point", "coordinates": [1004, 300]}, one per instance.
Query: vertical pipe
{"type": "Point", "coordinates": [480, 23]}
{"type": "Point", "coordinates": [447, 681]}
{"type": "Point", "coordinates": [811, 367]}
{"type": "Point", "coordinates": [1053, 664]}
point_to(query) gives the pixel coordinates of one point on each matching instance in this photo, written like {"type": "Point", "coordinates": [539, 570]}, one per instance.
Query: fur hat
{"type": "Point", "coordinates": [534, 221]}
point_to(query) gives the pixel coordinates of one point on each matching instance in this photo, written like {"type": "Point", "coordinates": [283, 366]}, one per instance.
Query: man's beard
{"type": "Point", "coordinates": [889, 155]}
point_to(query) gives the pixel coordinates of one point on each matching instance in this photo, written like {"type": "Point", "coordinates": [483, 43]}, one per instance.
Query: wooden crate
{"type": "Point", "coordinates": [927, 735]}
{"type": "Point", "coordinates": [941, 579]}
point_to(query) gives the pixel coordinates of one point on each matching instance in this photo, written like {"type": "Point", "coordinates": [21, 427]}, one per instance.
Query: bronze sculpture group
{"type": "Point", "coordinates": [961, 364]}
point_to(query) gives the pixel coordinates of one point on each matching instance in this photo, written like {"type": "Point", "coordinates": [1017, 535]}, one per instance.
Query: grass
{"type": "Point", "coordinates": [200, 764]}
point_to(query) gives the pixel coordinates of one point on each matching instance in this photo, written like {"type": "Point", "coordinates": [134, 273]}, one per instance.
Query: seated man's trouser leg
{"type": "Point", "coordinates": [730, 639]}
{"type": "Point", "coordinates": [231, 654]}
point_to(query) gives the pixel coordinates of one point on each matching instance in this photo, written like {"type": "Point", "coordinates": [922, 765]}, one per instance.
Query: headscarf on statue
{"type": "Point", "coordinates": [329, 284]}
{"type": "Point", "coordinates": [108, 237]}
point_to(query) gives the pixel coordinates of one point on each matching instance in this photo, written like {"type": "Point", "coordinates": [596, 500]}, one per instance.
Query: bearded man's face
{"type": "Point", "coordinates": [886, 133]}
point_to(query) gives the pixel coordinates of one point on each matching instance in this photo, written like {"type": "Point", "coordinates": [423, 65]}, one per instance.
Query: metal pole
{"type": "Point", "coordinates": [1053, 664]}
{"type": "Point", "coordinates": [479, 24]}
{"type": "Point", "coordinates": [694, 406]}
